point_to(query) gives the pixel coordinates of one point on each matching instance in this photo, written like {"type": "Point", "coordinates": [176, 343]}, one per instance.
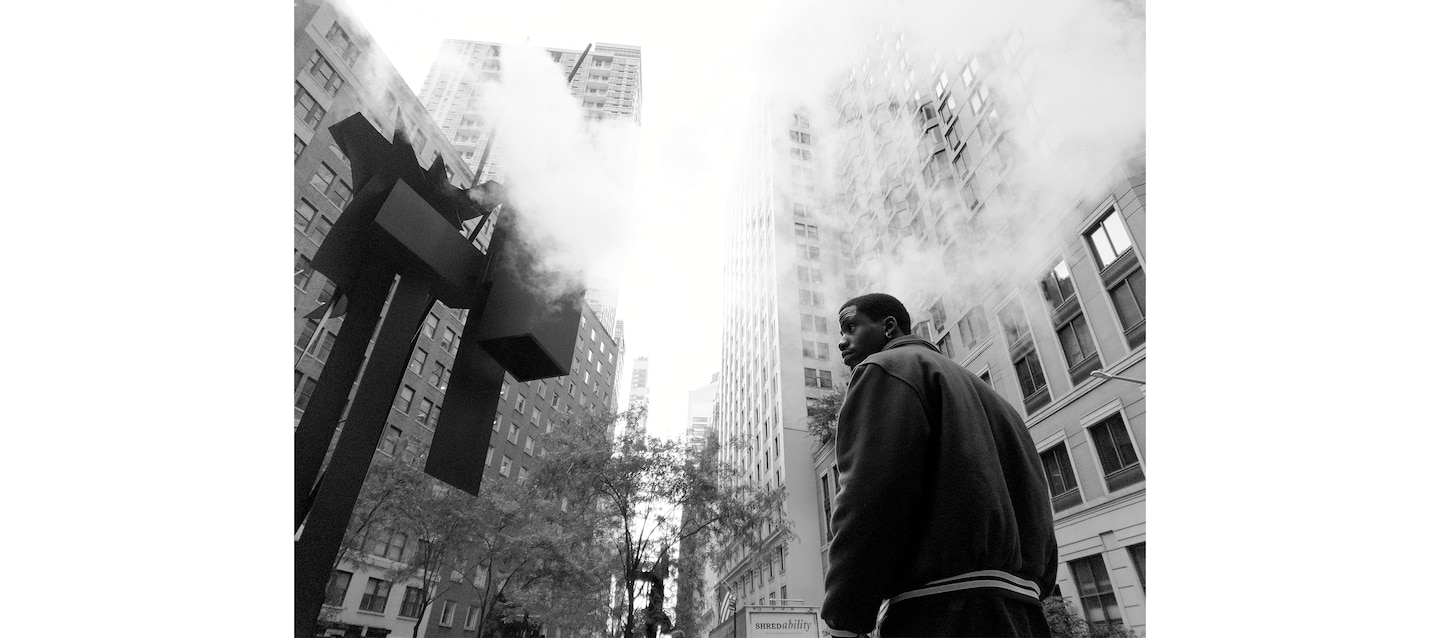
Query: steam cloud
{"type": "Point", "coordinates": [1076, 116]}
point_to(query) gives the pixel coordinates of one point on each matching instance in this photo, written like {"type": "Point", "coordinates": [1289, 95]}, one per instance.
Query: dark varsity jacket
{"type": "Point", "coordinates": [942, 490]}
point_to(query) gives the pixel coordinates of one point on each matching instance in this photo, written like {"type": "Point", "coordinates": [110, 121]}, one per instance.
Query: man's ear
{"type": "Point", "coordinates": [892, 327]}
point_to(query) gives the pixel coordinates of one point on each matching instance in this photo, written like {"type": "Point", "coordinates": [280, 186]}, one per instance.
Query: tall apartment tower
{"type": "Point", "coordinates": [607, 84]}
{"type": "Point", "coordinates": [702, 407]}
{"type": "Point", "coordinates": [640, 382]}
{"type": "Point", "coordinates": [339, 71]}
{"type": "Point", "coordinates": [695, 580]}
{"type": "Point", "coordinates": [779, 296]}
{"type": "Point", "coordinates": [1035, 289]}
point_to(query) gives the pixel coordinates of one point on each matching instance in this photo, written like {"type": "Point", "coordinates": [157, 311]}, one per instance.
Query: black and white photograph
{"type": "Point", "coordinates": [828, 319]}
{"type": "Point", "coordinates": [791, 319]}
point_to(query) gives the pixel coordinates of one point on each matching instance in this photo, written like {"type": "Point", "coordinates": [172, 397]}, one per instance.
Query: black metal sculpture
{"type": "Point", "coordinates": [403, 230]}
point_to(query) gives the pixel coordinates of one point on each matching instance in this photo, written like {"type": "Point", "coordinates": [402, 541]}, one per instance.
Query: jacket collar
{"type": "Point", "coordinates": [905, 340]}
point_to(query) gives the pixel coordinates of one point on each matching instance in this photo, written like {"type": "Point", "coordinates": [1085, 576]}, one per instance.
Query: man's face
{"type": "Point", "coordinates": [861, 336]}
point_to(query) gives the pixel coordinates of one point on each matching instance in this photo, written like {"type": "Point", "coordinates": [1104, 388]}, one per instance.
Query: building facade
{"type": "Point", "coordinates": [1041, 286]}
{"type": "Point", "coordinates": [929, 184]}
{"type": "Point", "coordinates": [339, 72]}
{"type": "Point", "coordinates": [775, 353]}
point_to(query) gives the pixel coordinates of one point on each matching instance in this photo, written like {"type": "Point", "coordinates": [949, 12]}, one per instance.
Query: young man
{"type": "Point", "coordinates": [943, 524]}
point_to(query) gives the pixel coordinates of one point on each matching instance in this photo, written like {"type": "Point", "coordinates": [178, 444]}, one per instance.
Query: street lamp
{"type": "Point", "coordinates": [1107, 376]}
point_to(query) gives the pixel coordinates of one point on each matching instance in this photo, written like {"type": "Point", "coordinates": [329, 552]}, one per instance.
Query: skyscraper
{"type": "Point", "coordinates": [702, 408]}
{"type": "Point", "coordinates": [775, 352]}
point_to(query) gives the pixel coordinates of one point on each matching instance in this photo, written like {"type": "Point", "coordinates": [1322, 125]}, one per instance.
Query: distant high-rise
{"type": "Point", "coordinates": [778, 298]}
{"type": "Point", "coordinates": [702, 407]}
{"type": "Point", "coordinates": [640, 382]}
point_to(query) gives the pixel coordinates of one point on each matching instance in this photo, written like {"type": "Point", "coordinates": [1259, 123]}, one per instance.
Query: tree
{"type": "Point", "coordinates": [530, 555]}
{"type": "Point", "coordinates": [640, 484]}
{"type": "Point", "coordinates": [432, 521]}
{"type": "Point", "coordinates": [1065, 623]}
{"type": "Point", "coordinates": [824, 415]}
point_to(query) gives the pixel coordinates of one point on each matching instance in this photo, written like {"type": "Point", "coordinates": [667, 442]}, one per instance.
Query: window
{"type": "Point", "coordinates": [307, 108]}
{"type": "Point", "coordinates": [1137, 558]}
{"type": "Point", "coordinates": [321, 70]}
{"type": "Point", "coordinates": [973, 328]}
{"type": "Point", "coordinates": [1129, 298]}
{"type": "Point", "coordinates": [439, 376]}
{"type": "Point", "coordinates": [447, 613]}
{"type": "Point", "coordinates": [336, 588]}
{"type": "Point", "coordinates": [340, 194]}
{"type": "Point", "coordinates": [1064, 490]}
{"type": "Point", "coordinates": [808, 275]}
{"type": "Point", "coordinates": [391, 442]}
{"type": "Point", "coordinates": [505, 466]}
{"type": "Point", "coordinates": [1108, 239]}
{"type": "Point", "coordinates": [813, 323]}
{"type": "Point", "coordinates": [302, 398]}
{"type": "Point", "coordinates": [321, 350]}
{"type": "Point", "coordinates": [807, 251]}
{"type": "Point", "coordinates": [410, 605]}
{"type": "Point", "coordinates": [377, 592]}
{"type": "Point", "coordinates": [422, 415]}
{"type": "Point", "coordinates": [404, 398]}
{"type": "Point", "coordinates": [338, 38]}
{"type": "Point", "coordinates": [520, 404]}
{"type": "Point", "coordinates": [1097, 597]}
{"type": "Point", "coordinates": [1032, 380]}
{"type": "Point", "coordinates": [1057, 286]}
{"type": "Point", "coordinates": [1012, 320]}
{"type": "Point", "coordinates": [304, 214]}
{"type": "Point", "coordinates": [985, 376]}
{"type": "Point", "coordinates": [1117, 454]}
{"type": "Point", "coordinates": [946, 347]}
{"type": "Point", "coordinates": [322, 178]}
{"type": "Point", "coordinates": [489, 455]}
{"type": "Point", "coordinates": [417, 360]}
{"type": "Point", "coordinates": [299, 146]}
{"type": "Point", "coordinates": [815, 349]}
{"type": "Point", "coordinates": [811, 298]}
{"type": "Point", "coordinates": [1079, 348]}
{"type": "Point", "coordinates": [817, 378]}
{"type": "Point", "coordinates": [807, 230]}
{"type": "Point", "coordinates": [472, 618]}
{"type": "Point", "coordinates": [431, 322]}
{"type": "Point", "coordinates": [797, 136]}
{"type": "Point", "coordinates": [529, 446]}
{"type": "Point", "coordinates": [447, 342]}
{"type": "Point", "coordinates": [514, 433]}
{"type": "Point", "coordinates": [303, 271]}
{"type": "Point", "coordinates": [535, 415]}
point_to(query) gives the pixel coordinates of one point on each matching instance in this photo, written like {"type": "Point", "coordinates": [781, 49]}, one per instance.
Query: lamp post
{"type": "Point", "coordinates": [1107, 376]}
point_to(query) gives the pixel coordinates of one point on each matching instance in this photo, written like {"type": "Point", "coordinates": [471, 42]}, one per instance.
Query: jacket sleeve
{"type": "Point", "coordinates": [879, 446]}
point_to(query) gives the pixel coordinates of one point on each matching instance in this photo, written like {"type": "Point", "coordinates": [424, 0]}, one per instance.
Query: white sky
{"type": "Point", "coordinates": [670, 292]}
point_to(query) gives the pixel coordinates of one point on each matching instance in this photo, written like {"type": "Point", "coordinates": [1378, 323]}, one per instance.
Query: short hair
{"type": "Point", "coordinates": [878, 306]}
